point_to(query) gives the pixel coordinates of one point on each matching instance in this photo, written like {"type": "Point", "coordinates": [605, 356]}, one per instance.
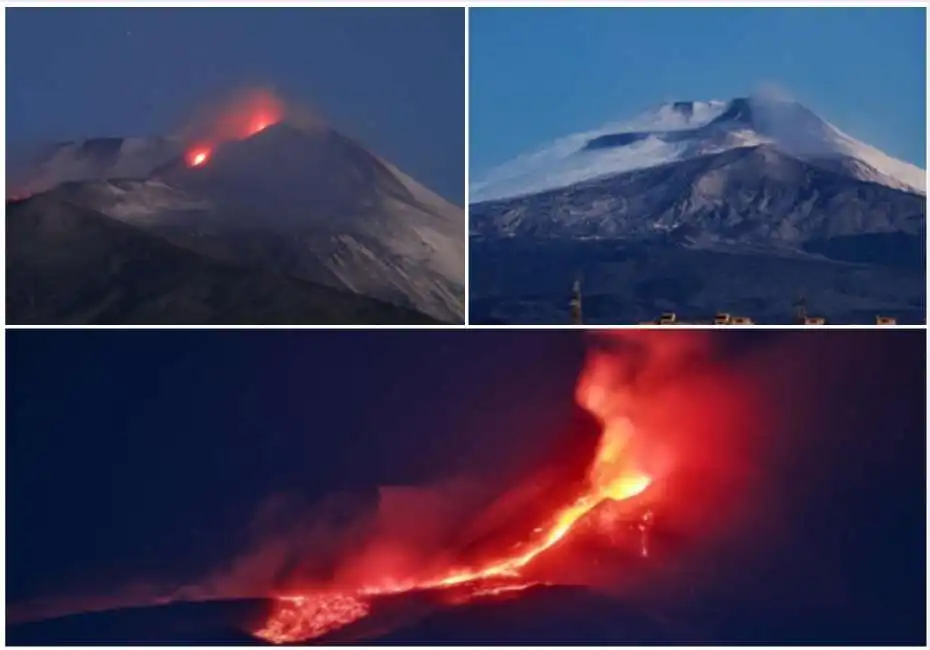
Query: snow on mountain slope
{"type": "Point", "coordinates": [92, 159]}
{"type": "Point", "coordinates": [748, 197]}
{"type": "Point", "coordinates": [304, 201]}
{"type": "Point", "coordinates": [890, 171]}
{"type": "Point", "coordinates": [684, 130]}
{"type": "Point", "coordinates": [675, 116]}
{"type": "Point", "coordinates": [449, 257]}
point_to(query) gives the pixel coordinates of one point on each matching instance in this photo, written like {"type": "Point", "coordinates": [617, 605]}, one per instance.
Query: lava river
{"type": "Point", "coordinates": [613, 475]}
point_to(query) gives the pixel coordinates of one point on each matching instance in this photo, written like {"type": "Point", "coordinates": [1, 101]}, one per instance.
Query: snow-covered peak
{"type": "Point", "coordinates": [92, 159]}
{"type": "Point", "coordinates": [682, 130]}
{"type": "Point", "coordinates": [676, 116]}
{"type": "Point", "coordinates": [296, 196]}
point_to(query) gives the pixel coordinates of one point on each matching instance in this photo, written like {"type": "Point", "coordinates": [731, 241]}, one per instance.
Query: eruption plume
{"type": "Point", "coordinates": [708, 469]}
{"type": "Point", "coordinates": [617, 474]}
{"type": "Point", "coordinates": [239, 116]}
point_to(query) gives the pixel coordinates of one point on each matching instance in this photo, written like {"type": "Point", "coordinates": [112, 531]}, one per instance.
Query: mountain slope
{"type": "Point", "coordinates": [697, 208]}
{"type": "Point", "coordinates": [69, 265]}
{"type": "Point", "coordinates": [305, 201]}
{"type": "Point", "coordinates": [753, 196]}
{"type": "Point", "coordinates": [538, 616]}
{"type": "Point", "coordinates": [683, 130]}
{"type": "Point", "coordinates": [217, 622]}
{"type": "Point", "coordinates": [522, 280]}
{"type": "Point", "coordinates": [88, 160]}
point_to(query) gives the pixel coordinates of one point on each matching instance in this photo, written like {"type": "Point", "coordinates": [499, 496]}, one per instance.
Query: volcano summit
{"type": "Point", "coordinates": [737, 206]}
{"type": "Point", "coordinates": [288, 222]}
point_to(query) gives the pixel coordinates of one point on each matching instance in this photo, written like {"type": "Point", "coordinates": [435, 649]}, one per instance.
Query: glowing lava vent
{"type": "Point", "coordinates": [613, 475]}
{"type": "Point", "coordinates": [197, 157]}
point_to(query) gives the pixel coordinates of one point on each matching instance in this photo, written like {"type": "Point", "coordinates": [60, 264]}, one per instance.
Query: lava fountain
{"type": "Point", "coordinates": [613, 475]}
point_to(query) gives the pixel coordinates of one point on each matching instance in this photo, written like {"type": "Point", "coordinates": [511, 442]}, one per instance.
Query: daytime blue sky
{"type": "Point", "coordinates": [537, 74]}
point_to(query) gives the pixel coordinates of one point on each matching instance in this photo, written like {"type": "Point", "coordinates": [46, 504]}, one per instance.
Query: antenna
{"type": "Point", "coordinates": [575, 303]}
{"type": "Point", "coordinates": [801, 310]}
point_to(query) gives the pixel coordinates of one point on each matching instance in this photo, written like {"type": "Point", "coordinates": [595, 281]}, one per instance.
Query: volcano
{"type": "Point", "coordinates": [701, 207]}
{"type": "Point", "coordinates": [764, 521]}
{"type": "Point", "coordinates": [294, 203]}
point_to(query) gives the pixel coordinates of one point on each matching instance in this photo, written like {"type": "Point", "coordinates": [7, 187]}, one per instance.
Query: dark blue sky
{"type": "Point", "coordinates": [135, 445]}
{"type": "Point", "coordinates": [135, 455]}
{"type": "Point", "coordinates": [393, 78]}
{"type": "Point", "coordinates": [538, 74]}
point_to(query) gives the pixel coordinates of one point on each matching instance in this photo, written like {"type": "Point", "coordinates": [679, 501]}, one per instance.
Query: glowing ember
{"type": "Point", "coordinates": [307, 617]}
{"type": "Point", "coordinates": [644, 526]}
{"type": "Point", "coordinates": [197, 157]}
{"type": "Point", "coordinates": [612, 476]}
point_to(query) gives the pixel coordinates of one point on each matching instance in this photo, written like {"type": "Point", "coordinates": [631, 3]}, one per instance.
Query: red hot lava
{"type": "Point", "coordinates": [297, 618]}
{"type": "Point", "coordinates": [197, 156]}
{"type": "Point", "coordinates": [613, 475]}
{"type": "Point", "coordinates": [243, 116]}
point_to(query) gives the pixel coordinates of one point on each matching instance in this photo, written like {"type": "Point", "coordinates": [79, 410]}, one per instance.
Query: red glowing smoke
{"type": "Point", "coordinates": [237, 117]}
{"type": "Point", "coordinates": [625, 464]}
{"type": "Point", "coordinates": [734, 441]}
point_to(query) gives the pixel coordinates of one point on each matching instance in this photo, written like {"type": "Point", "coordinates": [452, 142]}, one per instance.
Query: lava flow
{"type": "Point", "coordinates": [612, 476]}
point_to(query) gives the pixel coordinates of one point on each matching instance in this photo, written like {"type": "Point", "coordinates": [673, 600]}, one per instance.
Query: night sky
{"type": "Point", "coordinates": [392, 78]}
{"type": "Point", "coordinates": [134, 455]}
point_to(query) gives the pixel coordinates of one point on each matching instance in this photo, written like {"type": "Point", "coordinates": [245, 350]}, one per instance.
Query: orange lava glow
{"type": "Point", "coordinates": [612, 476]}
{"type": "Point", "coordinates": [307, 617]}
{"type": "Point", "coordinates": [498, 590]}
{"type": "Point", "coordinates": [244, 115]}
{"type": "Point", "coordinates": [241, 117]}
{"type": "Point", "coordinates": [198, 156]}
